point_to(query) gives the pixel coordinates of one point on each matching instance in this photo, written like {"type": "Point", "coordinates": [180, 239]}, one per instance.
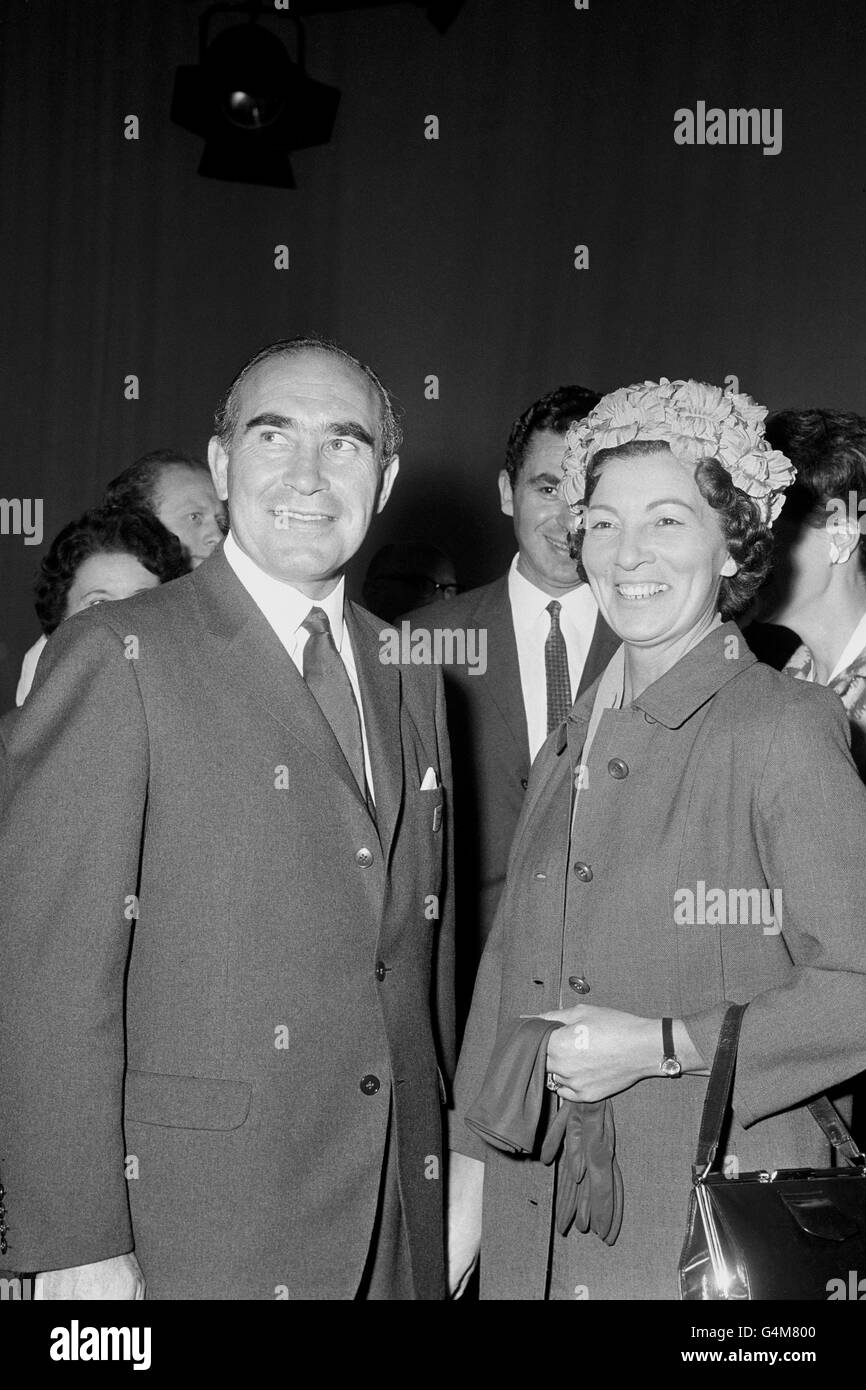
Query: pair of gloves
{"type": "Point", "coordinates": [508, 1114]}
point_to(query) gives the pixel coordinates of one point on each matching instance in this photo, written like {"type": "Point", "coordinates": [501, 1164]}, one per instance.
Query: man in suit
{"type": "Point", "coordinates": [226, 951]}
{"type": "Point", "coordinates": [545, 643]}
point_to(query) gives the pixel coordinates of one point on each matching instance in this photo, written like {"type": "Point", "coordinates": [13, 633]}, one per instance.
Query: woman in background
{"type": "Point", "coordinates": [818, 584]}
{"type": "Point", "coordinates": [105, 555]}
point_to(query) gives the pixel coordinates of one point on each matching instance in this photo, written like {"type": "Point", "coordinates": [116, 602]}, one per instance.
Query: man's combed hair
{"type": "Point", "coordinates": [227, 414]}
{"type": "Point", "coordinates": [135, 488]}
{"type": "Point", "coordinates": [749, 541]}
{"type": "Point", "coordinates": [103, 531]}
{"type": "Point", "coordinates": [555, 411]}
{"type": "Point", "coordinates": [828, 451]}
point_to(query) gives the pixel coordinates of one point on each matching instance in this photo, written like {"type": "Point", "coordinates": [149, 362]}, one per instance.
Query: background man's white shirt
{"type": "Point", "coordinates": [577, 618]}
{"type": "Point", "coordinates": [285, 608]}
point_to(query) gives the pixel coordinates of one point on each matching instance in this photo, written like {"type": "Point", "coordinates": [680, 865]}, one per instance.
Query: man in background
{"type": "Point", "coordinates": [178, 490]}
{"type": "Point", "coordinates": [545, 643]}
{"type": "Point", "coordinates": [406, 576]}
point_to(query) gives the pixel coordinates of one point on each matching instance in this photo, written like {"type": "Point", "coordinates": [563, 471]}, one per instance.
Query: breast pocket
{"type": "Point", "coordinates": [431, 804]}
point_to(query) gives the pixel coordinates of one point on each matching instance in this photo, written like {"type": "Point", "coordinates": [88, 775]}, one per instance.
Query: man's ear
{"type": "Point", "coordinates": [218, 462]}
{"type": "Point", "coordinates": [388, 478]}
{"type": "Point", "coordinates": [506, 493]}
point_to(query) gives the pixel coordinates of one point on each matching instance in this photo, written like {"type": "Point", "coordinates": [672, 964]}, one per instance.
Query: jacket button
{"type": "Point", "coordinates": [578, 984]}
{"type": "Point", "coordinates": [618, 768]}
{"type": "Point", "coordinates": [370, 1085]}
{"type": "Point", "coordinates": [364, 858]}
{"type": "Point", "coordinates": [524, 782]}
{"type": "Point", "coordinates": [584, 872]}
{"type": "Point", "coordinates": [381, 970]}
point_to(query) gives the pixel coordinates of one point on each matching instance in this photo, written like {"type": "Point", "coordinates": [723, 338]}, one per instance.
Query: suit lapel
{"type": "Point", "coordinates": [253, 658]}
{"type": "Point", "coordinates": [502, 682]}
{"type": "Point", "coordinates": [381, 687]}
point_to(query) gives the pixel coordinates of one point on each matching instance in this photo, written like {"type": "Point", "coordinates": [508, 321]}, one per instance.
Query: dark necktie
{"type": "Point", "coordinates": [329, 682]}
{"type": "Point", "coordinates": [556, 670]}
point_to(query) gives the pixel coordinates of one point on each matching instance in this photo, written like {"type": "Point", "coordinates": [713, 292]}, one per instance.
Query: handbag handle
{"type": "Point", "coordinates": [718, 1099]}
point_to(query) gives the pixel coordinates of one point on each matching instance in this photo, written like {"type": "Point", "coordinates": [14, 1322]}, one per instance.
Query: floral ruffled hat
{"type": "Point", "coordinates": [697, 421]}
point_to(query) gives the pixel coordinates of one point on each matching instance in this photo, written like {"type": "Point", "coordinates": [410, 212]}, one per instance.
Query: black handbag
{"type": "Point", "coordinates": [796, 1233]}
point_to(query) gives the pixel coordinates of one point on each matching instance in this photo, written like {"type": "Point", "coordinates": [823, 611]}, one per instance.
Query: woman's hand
{"type": "Point", "coordinates": [602, 1051]}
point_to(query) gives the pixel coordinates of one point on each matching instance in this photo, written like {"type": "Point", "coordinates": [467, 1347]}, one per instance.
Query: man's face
{"type": "Point", "coordinates": [541, 518]}
{"type": "Point", "coordinates": [187, 505]}
{"type": "Point", "coordinates": [301, 473]}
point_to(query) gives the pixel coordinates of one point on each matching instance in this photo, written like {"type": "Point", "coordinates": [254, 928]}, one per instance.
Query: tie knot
{"type": "Point", "coordinates": [316, 621]}
{"type": "Point", "coordinates": [553, 609]}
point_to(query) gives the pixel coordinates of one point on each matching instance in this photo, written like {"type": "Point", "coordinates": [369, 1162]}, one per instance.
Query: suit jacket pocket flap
{"type": "Point", "coordinates": [186, 1102]}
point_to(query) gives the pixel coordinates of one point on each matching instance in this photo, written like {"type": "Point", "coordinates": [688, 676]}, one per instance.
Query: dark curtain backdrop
{"type": "Point", "coordinates": [452, 257]}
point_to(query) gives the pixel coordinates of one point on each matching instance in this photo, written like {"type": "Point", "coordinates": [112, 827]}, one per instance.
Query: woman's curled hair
{"type": "Point", "coordinates": [103, 531]}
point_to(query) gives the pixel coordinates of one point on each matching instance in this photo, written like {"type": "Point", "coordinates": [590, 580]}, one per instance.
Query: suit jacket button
{"type": "Point", "coordinates": [381, 970]}
{"type": "Point", "coordinates": [370, 1085]}
{"type": "Point", "coordinates": [578, 984]}
{"type": "Point", "coordinates": [364, 858]}
{"type": "Point", "coordinates": [618, 768]}
{"type": "Point", "coordinates": [584, 872]}
{"type": "Point", "coordinates": [524, 782]}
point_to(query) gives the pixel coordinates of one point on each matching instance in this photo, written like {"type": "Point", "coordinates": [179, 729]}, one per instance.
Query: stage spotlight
{"type": "Point", "coordinates": [442, 13]}
{"type": "Point", "coordinates": [252, 104]}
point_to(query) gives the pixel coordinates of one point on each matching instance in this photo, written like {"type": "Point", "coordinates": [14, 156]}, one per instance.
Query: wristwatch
{"type": "Point", "coordinates": [670, 1064]}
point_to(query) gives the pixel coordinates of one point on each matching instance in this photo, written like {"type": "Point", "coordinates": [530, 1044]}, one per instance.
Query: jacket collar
{"type": "Point", "coordinates": [252, 656]}
{"type": "Point", "coordinates": [696, 678]}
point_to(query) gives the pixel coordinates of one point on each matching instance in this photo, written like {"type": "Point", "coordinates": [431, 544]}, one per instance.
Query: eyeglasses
{"type": "Point", "coordinates": [423, 583]}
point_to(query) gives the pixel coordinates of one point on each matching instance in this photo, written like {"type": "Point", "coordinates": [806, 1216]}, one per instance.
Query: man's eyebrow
{"type": "Point", "coordinates": [349, 428]}
{"type": "Point", "coordinates": [278, 422]}
{"type": "Point", "coordinates": [547, 479]}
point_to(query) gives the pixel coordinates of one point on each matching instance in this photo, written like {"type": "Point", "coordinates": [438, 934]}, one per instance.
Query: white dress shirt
{"type": "Point", "coordinates": [286, 608]}
{"type": "Point", "coordinates": [852, 649]}
{"type": "Point", "coordinates": [28, 670]}
{"type": "Point", "coordinates": [577, 616]}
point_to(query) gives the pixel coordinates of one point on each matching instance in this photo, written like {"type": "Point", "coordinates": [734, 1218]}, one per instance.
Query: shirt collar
{"type": "Point", "coordinates": [528, 602]}
{"type": "Point", "coordinates": [284, 606]}
{"type": "Point", "coordinates": [695, 679]}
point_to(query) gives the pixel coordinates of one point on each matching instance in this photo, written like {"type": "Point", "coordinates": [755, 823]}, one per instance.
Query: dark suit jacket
{"type": "Point", "coordinates": [490, 750]}
{"type": "Point", "coordinates": [251, 1028]}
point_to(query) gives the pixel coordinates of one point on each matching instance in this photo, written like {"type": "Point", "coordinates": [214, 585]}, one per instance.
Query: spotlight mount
{"type": "Point", "coordinates": [250, 101]}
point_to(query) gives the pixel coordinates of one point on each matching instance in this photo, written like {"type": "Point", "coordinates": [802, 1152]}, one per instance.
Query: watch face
{"type": "Point", "coordinates": [671, 1067]}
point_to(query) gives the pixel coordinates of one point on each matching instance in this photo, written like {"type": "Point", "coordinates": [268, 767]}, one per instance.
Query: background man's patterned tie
{"type": "Point", "coordinates": [329, 682]}
{"type": "Point", "coordinates": [556, 670]}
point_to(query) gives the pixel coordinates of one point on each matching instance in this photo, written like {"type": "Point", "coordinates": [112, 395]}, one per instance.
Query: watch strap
{"type": "Point", "coordinates": [668, 1038]}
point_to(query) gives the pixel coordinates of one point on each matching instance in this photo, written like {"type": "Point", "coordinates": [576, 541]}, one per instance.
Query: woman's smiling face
{"type": "Point", "coordinates": [653, 550]}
